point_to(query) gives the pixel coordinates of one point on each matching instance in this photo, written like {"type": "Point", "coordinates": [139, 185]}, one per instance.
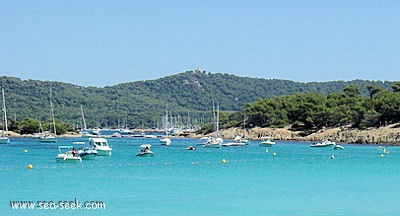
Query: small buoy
{"type": "Point", "coordinates": [25, 151]}
{"type": "Point", "coordinates": [274, 154]}
{"type": "Point", "coordinates": [266, 150]}
{"type": "Point", "coordinates": [30, 166]}
{"type": "Point", "coordinates": [223, 161]}
{"type": "Point", "coordinates": [333, 156]}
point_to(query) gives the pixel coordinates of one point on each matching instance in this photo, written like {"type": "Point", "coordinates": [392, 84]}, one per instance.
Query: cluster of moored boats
{"type": "Point", "coordinates": [100, 147]}
{"type": "Point", "coordinates": [215, 142]}
{"type": "Point", "coordinates": [97, 147]}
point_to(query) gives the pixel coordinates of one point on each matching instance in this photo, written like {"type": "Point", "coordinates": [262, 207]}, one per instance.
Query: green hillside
{"type": "Point", "coordinates": [187, 95]}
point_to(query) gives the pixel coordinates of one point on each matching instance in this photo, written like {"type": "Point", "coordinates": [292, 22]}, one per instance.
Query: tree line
{"type": "Point", "coordinates": [311, 111]}
{"type": "Point", "coordinates": [188, 96]}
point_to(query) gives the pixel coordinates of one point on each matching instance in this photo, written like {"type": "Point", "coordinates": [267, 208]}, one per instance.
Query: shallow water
{"type": "Point", "coordinates": [299, 180]}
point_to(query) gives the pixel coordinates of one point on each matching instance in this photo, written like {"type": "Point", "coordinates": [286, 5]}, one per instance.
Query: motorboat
{"type": "Point", "coordinates": [267, 143]}
{"type": "Point", "coordinates": [96, 131]}
{"type": "Point", "coordinates": [48, 138]}
{"type": "Point", "coordinates": [85, 134]}
{"type": "Point", "coordinates": [233, 144]}
{"type": "Point", "coordinates": [101, 146]}
{"type": "Point", "coordinates": [116, 134]}
{"type": "Point", "coordinates": [241, 139]}
{"type": "Point", "coordinates": [325, 143]}
{"type": "Point", "coordinates": [165, 141]}
{"type": "Point", "coordinates": [237, 141]}
{"type": "Point", "coordinates": [67, 154]}
{"type": "Point", "coordinates": [145, 151]}
{"type": "Point", "coordinates": [213, 142]}
{"type": "Point", "coordinates": [4, 140]}
{"type": "Point", "coordinates": [338, 147]}
{"type": "Point", "coordinates": [87, 153]}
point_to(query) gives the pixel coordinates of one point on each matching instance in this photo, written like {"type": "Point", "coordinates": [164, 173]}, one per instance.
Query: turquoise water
{"type": "Point", "coordinates": [299, 180]}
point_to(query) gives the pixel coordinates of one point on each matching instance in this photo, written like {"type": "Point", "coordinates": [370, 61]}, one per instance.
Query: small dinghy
{"type": "Point", "coordinates": [145, 151]}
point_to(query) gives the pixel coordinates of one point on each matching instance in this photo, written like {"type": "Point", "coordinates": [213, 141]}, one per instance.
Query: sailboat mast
{"type": "Point", "coordinates": [214, 121]}
{"type": "Point", "coordinates": [4, 110]}
{"type": "Point", "coordinates": [126, 119]}
{"type": "Point", "coordinates": [166, 121]}
{"type": "Point", "coordinates": [244, 122]}
{"type": "Point", "coordinates": [83, 118]}
{"type": "Point", "coordinates": [188, 120]}
{"type": "Point", "coordinates": [166, 118]}
{"type": "Point", "coordinates": [52, 115]}
{"type": "Point", "coordinates": [217, 118]}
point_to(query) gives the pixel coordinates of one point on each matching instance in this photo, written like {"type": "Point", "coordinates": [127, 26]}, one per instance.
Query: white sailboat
{"type": "Point", "coordinates": [166, 140]}
{"type": "Point", "coordinates": [215, 142]}
{"type": "Point", "coordinates": [4, 139]}
{"type": "Point", "coordinates": [84, 132]}
{"type": "Point", "coordinates": [48, 137]}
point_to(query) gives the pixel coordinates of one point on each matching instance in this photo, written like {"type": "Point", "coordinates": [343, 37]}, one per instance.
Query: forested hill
{"type": "Point", "coordinates": [143, 103]}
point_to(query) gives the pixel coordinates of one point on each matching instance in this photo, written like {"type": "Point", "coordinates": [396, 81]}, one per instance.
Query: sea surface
{"type": "Point", "coordinates": [249, 180]}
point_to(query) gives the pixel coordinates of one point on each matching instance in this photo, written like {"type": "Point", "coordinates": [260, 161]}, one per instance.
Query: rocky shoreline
{"type": "Point", "coordinates": [389, 135]}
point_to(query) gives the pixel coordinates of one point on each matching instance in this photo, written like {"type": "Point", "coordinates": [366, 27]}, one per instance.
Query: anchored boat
{"type": "Point", "coordinates": [101, 146]}
{"type": "Point", "coordinates": [145, 151]}
{"type": "Point", "coordinates": [67, 154]}
{"type": "Point", "coordinates": [325, 143]}
{"type": "Point", "coordinates": [267, 142]}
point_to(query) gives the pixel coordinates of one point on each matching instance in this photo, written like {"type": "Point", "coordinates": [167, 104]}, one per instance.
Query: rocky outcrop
{"type": "Point", "coordinates": [383, 135]}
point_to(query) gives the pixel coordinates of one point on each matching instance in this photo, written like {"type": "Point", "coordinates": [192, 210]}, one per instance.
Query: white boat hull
{"type": "Point", "coordinates": [103, 152]}
{"type": "Point", "coordinates": [87, 154]}
{"type": "Point", "coordinates": [48, 139]}
{"type": "Point", "coordinates": [267, 143]}
{"type": "Point", "coordinates": [165, 141]}
{"type": "Point", "coordinates": [323, 144]}
{"type": "Point", "coordinates": [233, 144]}
{"type": "Point", "coordinates": [145, 154]}
{"type": "Point", "coordinates": [338, 147]}
{"type": "Point", "coordinates": [4, 140]}
{"type": "Point", "coordinates": [68, 158]}
{"type": "Point", "coordinates": [145, 151]}
{"type": "Point", "coordinates": [101, 146]}
{"type": "Point", "coordinates": [212, 145]}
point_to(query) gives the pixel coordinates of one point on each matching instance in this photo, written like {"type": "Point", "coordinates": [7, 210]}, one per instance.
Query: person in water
{"type": "Point", "coordinates": [145, 149]}
{"type": "Point", "coordinates": [73, 152]}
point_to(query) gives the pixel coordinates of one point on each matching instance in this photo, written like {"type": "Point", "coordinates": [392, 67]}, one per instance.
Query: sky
{"type": "Point", "coordinates": [104, 42]}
